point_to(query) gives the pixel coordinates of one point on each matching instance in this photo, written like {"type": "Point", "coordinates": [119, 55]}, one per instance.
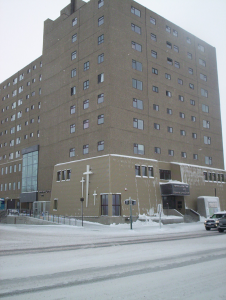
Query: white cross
{"type": "Point", "coordinates": [87, 173]}
{"type": "Point", "coordinates": [82, 181]}
{"type": "Point", "coordinates": [94, 195]}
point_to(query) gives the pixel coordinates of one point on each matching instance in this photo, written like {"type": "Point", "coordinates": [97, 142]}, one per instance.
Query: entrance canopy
{"type": "Point", "coordinates": [174, 188]}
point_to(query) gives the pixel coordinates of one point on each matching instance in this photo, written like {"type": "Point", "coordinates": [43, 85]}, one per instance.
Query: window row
{"type": "Point", "coordinates": [100, 79]}
{"type": "Point", "coordinates": [11, 169]}
{"type": "Point", "coordinates": [144, 171]}
{"type": "Point", "coordinates": [10, 186]}
{"type": "Point", "coordinates": [100, 147]}
{"type": "Point", "coordinates": [63, 175]}
{"type": "Point", "coordinates": [18, 103]}
{"type": "Point", "coordinates": [209, 176]}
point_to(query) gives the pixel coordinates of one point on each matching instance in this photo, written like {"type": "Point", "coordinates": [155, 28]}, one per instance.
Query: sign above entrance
{"type": "Point", "coordinates": [175, 189]}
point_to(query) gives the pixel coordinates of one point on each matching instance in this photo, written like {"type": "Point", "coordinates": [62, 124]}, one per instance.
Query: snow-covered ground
{"type": "Point", "coordinates": [177, 261]}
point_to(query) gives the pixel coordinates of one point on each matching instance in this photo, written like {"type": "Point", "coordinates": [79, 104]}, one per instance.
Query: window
{"type": "Point", "coordinates": [156, 126]}
{"type": "Point", "coordinates": [191, 85]}
{"type": "Point", "coordinates": [177, 64]}
{"type": "Point", "coordinates": [100, 39]}
{"type": "Point", "coordinates": [100, 78]}
{"type": "Point", "coordinates": [154, 71]}
{"type": "Point", "coordinates": [180, 81]}
{"type": "Point", "coordinates": [169, 111]}
{"type": "Point", "coordinates": [72, 109]}
{"type": "Point", "coordinates": [135, 11]}
{"type": "Point", "coordinates": [18, 185]}
{"type": "Point", "coordinates": [31, 134]}
{"type": "Point", "coordinates": [136, 46]}
{"type": "Point", "coordinates": [11, 143]}
{"type": "Point", "coordinates": [181, 98]}
{"type": "Point", "coordinates": [13, 105]}
{"type": "Point", "coordinates": [104, 205]}
{"type": "Point", "coordinates": [171, 152]}
{"type": "Point", "coordinates": [139, 124]}
{"type": "Point", "coordinates": [175, 33]}
{"type": "Point", "coordinates": [188, 40]}
{"type": "Point", "coordinates": [195, 156]}
{"type": "Point", "coordinates": [85, 149]}
{"type": "Point", "coordinates": [137, 170]}
{"type": "Point", "coordinates": [72, 128]}
{"type": "Point", "coordinates": [101, 21]}
{"type": "Point", "coordinates": [153, 37]}
{"type": "Point", "coordinates": [204, 93]}
{"type": "Point", "coordinates": [68, 174]}
{"type": "Point", "coordinates": [136, 65]}
{"type": "Point", "coordinates": [27, 96]}
{"type": "Point", "coordinates": [58, 175]}
{"type": "Point", "coordinates": [33, 80]}
{"type": "Point", "coordinates": [176, 48]}
{"type": "Point", "coordinates": [144, 171]}
{"type": "Point", "coordinates": [10, 156]}
{"type": "Point", "coordinates": [72, 152]}
{"type": "Point", "coordinates": [73, 90]}
{"type": "Point", "coordinates": [203, 77]}
{"type": "Point", "coordinates": [39, 105]}
{"type": "Point", "coordinates": [14, 81]}
{"type": "Point", "coordinates": [168, 45]}
{"type": "Point", "coordinates": [138, 149]}
{"type": "Point", "coordinates": [63, 174]}
{"type": "Point", "coordinates": [32, 107]}
{"type": "Point", "coordinates": [183, 154]}
{"type": "Point", "coordinates": [86, 85]}
{"type": "Point", "coordinates": [19, 114]}
{"type": "Point", "coordinates": [100, 58]}
{"type": "Point", "coordinates": [135, 28]}
{"type": "Point", "coordinates": [137, 84]}
{"type": "Point", "coordinates": [169, 61]}
{"type": "Point", "coordinates": [138, 103]}
{"type": "Point", "coordinates": [86, 66]}
{"type": "Point", "coordinates": [100, 98]}
{"type": "Point", "coordinates": [153, 20]}
{"type": "Point", "coordinates": [28, 71]}
{"type": "Point", "coordinates": [74, 38]}
{"type": "Point", "coordinates": [34, 67]}
{"type": "Point", "coordinates": [85, 124]}
{"type": "Point", "coordinates": [73, 55]}
{"type": "Point", "coordinates": [182, 115]}
{"type": "Point", "coordinates": [25, 136]}
{"type": "Point", "coordinates": [33, 94]}
{"type": "Point", "coordinates": [155, 107]}
{"type": "Point", "coordinates": [190, 71]}
{"type": "Point", "coordinates": [189, 55]}
{"type": "Point", "coordinates": [167, 76]}
{"type": "Point", "coordinates": [116, 205]}
{"type": "Point", "coordinates": [192, 102]}
{"type": "Point", "coordinates": [168, 29]}
{"type": "Point", "coordinates": [73, 73]}
{"type": "Point", "coordinates": [205, 108]}
{"type": "Point", "coordinates": [100, 119]}
{"type": "Point", "coordinates": [27, 109]}
{"type": "Point", "coordinates": [208, 160]}
{"type": "Point", "coordinates": [201, 48]}
{"type": "Point", "coordinates": [100, 146]}
{"type": "Point", "coordinates": [153, 53]}
{"type": "Point", "coordinates": [26, 123]}
{"type": "Point", "coordinates": [17, 154]}
{"type": "Point", "coordinates": [14, 93]}
{"type": "Point", "coordinates": [38, 133]}
{"type": "Point", "coordinates": [193, 118]}
{"type": "Point", "coordinates": [207, 140]}
{"type": "Point", "coordinates": [168, 94]}
{"type": "Point", "coordinates": [157, 150]}
{"type": "Point", "coordinates": [155, 89]}
{"type": "Point", "coordinates": [21, 88]}
{"type": "Point", "coordinates": [202, 62]}
{"type": "Point", "coordinates": [150, 172]}
{"type": "Point", "coordinates": [40, 77]}
{"type": "Point", "coordinates": [183, 132]}
{"type": "Point", "coordinates": [74, 21]}
{"type": "Point", "coordinates": [18, 127]}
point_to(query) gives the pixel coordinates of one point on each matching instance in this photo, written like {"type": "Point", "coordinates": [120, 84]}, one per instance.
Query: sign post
{"type": "Point", "coordinates": [82, 200]}
{"type": "Point", "coordinates": [130, 202]}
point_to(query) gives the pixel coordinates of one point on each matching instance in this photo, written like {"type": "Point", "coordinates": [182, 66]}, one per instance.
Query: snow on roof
{"type": "Point", "coordinates": [173, 182]}
{"type": "Point", "coordinates": [198, 166]}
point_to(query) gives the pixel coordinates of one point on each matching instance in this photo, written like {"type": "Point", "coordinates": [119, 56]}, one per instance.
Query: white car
{"type": "Point", "coordinates": [211, 222]}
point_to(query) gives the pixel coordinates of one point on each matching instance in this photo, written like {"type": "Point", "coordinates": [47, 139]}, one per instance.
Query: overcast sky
{"type": "Point", "coordinates": [21, 27]}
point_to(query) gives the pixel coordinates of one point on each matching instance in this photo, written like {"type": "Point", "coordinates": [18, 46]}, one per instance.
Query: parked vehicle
{"type": "Point", "coordinates": [221, 224]}
{"type": "Point", "coordinates": [13, 212]}
{"type": "Point", "coordinates": [211, 222]}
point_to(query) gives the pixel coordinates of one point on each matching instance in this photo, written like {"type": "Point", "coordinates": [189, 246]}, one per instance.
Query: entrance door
{"type": "Point", "coordinates": [169, 202]}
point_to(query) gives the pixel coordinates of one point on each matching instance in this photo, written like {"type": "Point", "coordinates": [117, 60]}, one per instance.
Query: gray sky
{"type": "Point", "coordinates": [21, 27]}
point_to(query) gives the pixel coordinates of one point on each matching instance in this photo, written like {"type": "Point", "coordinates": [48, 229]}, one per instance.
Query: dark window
{"type": "Point", "coordinates": [169, 111]}
{"type": "Point", "coordinates": [150, 172]}
{"type": "Point", "coordinates": [154, 71]}
{"type": "Point", "coordinates": [73, 90]}
{"type": "Point", "coordinates": [181, 98]}
{"type": "Point", "coordinates": [137, 170]}
{"type": "Point", "coordinates": [155, 107]}
{"type": "Point", "coordinates": [135, 28]}
{"type": "Point", "coordinates": [165, 174]}
{"type": "Point", "coordinates": [100, 58]}
{"type": "Point", "coordinates": [153, 37]}
{"type": "Point", "coordinates": [155, 89]}
{"type": "Point", "coordinates": [116, 205]}
{"type": "Point", "coordinates": [104, 205]}
{"type": "Point", "coordinates": [192, 102]}
{"type": "Point", "coordinates": [135, 11]}
{"type": "Point", "coordinates": [101, 21]}
{"type": "Point", "coordinates": [144, 171]}
{"type": "Point", "coordinates": [191, 86]}
{"type": "Point", "coordinates": [167, 76]}
{"type": "Point", "coordinates": [169, 61]}
{"type": "Point", "coordinates": [100, 3]}
{"type": "Point", "coordinates": [100, 78]}
{"type": "Point", "coordinates": [86, 85]}
{"type": "Point", "coordinates": [157, 150]}
{"type": "Point", "coordinates": [153, 53]}
{"type": "Point", "coordinates": [136, 46]}
{"type": "Point", "coordinates": [73, 73]}
{"type": "Point", "coordinates": [171, 152]}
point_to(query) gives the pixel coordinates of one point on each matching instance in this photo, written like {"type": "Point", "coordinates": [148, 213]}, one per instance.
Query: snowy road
{"type": "Point", "coordinates": [177, 262]}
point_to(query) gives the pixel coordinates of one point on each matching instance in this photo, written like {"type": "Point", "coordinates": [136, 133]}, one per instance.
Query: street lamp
{"type": "Point", "coordinates": [82, 200]}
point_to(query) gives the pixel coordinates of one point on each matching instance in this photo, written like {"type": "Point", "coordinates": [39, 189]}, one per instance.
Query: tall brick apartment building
{"type": "Point", "coordinates": [121, 103]}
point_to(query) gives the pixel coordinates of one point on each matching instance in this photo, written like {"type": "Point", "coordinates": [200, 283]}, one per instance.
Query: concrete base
{"type": "Point", "coordinates": [169, 220]}
{"type": "Point", "coordinates": [27, 220]}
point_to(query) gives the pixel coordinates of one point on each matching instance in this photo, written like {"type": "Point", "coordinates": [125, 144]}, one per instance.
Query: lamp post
{"type": "Point", "coordinates": [82, 200]}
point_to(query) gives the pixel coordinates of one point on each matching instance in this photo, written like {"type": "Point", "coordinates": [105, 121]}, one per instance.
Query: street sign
{"type": "Point", "coordinates": [127, 202]}
{"type": "Point", "coordinates": [130, 202]}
